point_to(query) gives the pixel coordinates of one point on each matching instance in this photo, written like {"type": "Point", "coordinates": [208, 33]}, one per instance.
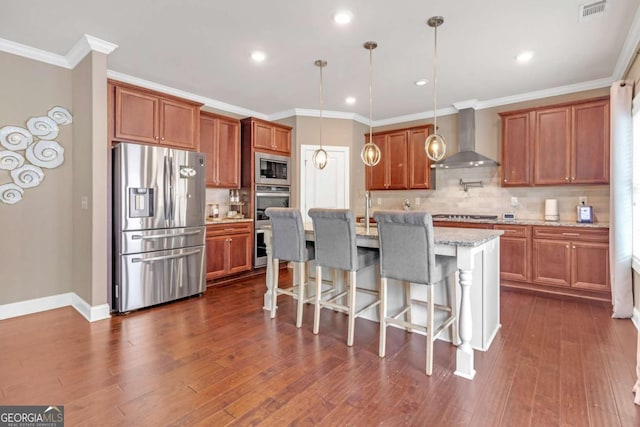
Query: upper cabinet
{"type": "Point", "coordinates": [557, 145]}
{"type": "Point", "coordinates": [220, 141]}
{"type": "Point", "coordinates": [268, 136]}
{"type": "Point", "coordinates": [141, 115]}
{"type": "Point", "coordinates": [403, 163]}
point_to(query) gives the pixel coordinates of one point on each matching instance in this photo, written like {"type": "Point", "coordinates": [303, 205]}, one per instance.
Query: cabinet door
{"type": "Point", "coordinates": [590, 143]}
{"type": "Point", "coordinates": [551, 262]}
{"type": "Point", "coordinates": [207, 146]}
{"type": "Point", "coordinates": [262, 136]}
{"type": "Point", "coordinates": [136, 116]}
{"type": "Point", "coordinates": [282, 140]}
{"type": "Point", "coordinates": [216, 256]}
{"type": "Point", "coordinates": [228, 153]}
{"type": "Point", "coordinates": [396, 151]}
{"type": "Point", "coordinates": [514, 259]}
{"type": "Point", "coordinates": [590, 266]}
{"type": "Point", "coordinates": [419, 172]}
{"type": "Point", "coordinates": [552, 146]}
{"type": "Point", "coordinates": [240, 252]}
{"type": "Point", "coordinates": [178, 124]}
{"type": "Point", "coordinates": [516, 150]}
{"type": "Point", "coordinates": [376, 175]}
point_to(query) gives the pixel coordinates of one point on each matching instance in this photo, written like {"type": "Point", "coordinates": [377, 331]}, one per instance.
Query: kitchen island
{"type": "Point", "coordinates": [477, 254]}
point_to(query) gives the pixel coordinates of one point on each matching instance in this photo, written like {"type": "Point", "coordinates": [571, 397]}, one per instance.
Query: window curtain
{"type": "Point", "coordinates": [620, 209]}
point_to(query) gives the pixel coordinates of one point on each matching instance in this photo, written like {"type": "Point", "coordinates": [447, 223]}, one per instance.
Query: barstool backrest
{"type": "Point", "coordinates": [407, 247]}
{"type": "Point", "coordinates": [287, 234]}
{"type": "Point", "coordinates": [335, 238]}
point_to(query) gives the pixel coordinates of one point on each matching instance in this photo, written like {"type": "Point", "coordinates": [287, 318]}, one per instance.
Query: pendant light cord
{"type": "Point", "coordinates": [321, 66]}
{"type": "Point", "coordinates": [370, 97]}
{"type": "Point", "coordinates": [435, 81]}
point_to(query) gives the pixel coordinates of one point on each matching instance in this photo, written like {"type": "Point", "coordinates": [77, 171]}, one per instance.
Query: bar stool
{"type": "Point", "coordinates": [407, 253]}
{"type": "Point", "coordinates": [336, 248]}
{"type": "Point", "coordinates": [288, 243]}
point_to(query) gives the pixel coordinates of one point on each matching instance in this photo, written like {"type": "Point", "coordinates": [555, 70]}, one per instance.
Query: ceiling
{"type": "Point", "coordinates": [203, 48]}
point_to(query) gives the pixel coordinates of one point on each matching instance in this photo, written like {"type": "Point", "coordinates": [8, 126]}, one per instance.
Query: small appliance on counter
{"type": "Point", "coordinates": [584, 213]}
{"type": "Point", "coordinates": [551, 210]}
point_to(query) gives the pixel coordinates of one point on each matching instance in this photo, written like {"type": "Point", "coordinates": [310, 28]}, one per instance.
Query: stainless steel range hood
{"type": "Point", "coordinates": [467, 157]}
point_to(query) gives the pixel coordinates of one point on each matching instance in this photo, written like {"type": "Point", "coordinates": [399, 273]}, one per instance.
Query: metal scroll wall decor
{"type": "Point", "coordinates": [26, 152]}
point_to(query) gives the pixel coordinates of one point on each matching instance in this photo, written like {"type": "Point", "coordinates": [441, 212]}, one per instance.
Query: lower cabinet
{"type": "Point", "coordinates": [572, 257]}
{"type": "Point", "coordinates": [515, 252]}
{"type": "Point", "coordinates": [229, 249]}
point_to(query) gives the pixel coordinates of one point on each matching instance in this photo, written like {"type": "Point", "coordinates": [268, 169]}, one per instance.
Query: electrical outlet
{"type": "Point", "coordinates": [379, 200]}
{"type": "Point", "coordinates": [514, 202]}
{"type": "Point", "coordinates": [84, 202]}
{"type": "Point", "coordinates": [582, 200]}
{"type": "Point", "coordinates": [417, 201]}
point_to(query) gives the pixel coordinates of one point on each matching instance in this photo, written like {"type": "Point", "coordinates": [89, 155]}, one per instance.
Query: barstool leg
{"type": "Point", "coordinates": [407, 302]}
{"type": "Point", "coordinates": [383, 316]}
{"type": "Point", "coordinates": [352, 307]}
{"type": "Point", "coordinates": [301, 285]}
{"type": "Point", "coordinates": [316, 310]}
{"type": "Point", "coordinates": [274, 290]}
{"type": "Point", "coordinates": [430, 323]}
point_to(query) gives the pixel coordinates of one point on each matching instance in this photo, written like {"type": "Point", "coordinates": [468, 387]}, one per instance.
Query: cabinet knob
{"type": "Point", "coordinates": [505, 180]}
{"type": "Point", "coordinates": [163, 138]}
{"type": "Point", "coordinates": [573, 178]}
{"type": "Point", "coordinates": [566, 178]}
{"type": "Point", "coordinates": [567, 246]}
{"type": "Point", "coordinates": [155, 137]}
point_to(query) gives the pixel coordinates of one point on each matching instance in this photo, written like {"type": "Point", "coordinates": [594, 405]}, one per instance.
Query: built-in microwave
{"type": "Point", "coordinates": [272, 169]}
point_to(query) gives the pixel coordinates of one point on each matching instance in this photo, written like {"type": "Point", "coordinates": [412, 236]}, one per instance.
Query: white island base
{"type": "Point", "coordinates": [477, 255]}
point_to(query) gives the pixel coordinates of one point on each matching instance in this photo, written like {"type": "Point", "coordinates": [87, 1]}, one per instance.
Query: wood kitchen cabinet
{"type": "Point", "coordinates": [556, 145]}
{"type": "Point", "coordinates": [268, 136]}
{"type": "Point", "coordinates": [403, 164]}
{"type": "Point", "coordinates": [141, 115]}
{"type": "Point", "coordinates": [220, 141]}
{"type": "Point", "coordinates": [515, 252]}
{"type": "Point", "coordinates": [229, 249]}
{"type": "Point", "coordinates": [572, 257]}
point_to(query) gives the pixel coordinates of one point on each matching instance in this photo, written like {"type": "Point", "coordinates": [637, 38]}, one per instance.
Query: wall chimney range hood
{"type": "Point", "coordinates": [466, 157]}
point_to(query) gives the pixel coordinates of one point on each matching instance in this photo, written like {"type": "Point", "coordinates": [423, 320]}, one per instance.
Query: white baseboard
{"type": "Point", "coordinates": [635, 318]}
{"type": "Point", "coordinates": [37, 305]}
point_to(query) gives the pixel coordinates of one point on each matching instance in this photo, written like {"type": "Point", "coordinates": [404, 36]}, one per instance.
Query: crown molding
{"type": "Point", "coordinates": [80, 49]}
{"type": "Point", "coordinates": [209, 102]}
{"type": "Point", "coordinates": [86, 44]}
{"type": "Point", "coordinates": [308, 112]}
{"type": "Point", "coordinates": [33, 53]}
{"type": "Point", "coordinates": [461, 105]}
{"type": "Point", "coordinates": [416, 116]}
{"type": "Point", "coordinates": [628, 51]}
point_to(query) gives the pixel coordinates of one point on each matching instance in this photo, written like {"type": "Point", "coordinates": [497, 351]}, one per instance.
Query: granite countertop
{"type": "Point", "coordinates": [528, 222]}
{"type": "Point", "coordinates": [210, 221]}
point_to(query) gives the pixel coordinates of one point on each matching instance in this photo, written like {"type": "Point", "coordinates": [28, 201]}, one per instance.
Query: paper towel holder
{"type": "Point", "coordinates": [551, 210]}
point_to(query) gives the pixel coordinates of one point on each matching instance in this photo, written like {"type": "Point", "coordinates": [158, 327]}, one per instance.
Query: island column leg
{"type": "Point", "coordinates": [464, 353]}
{"type": "Point", "coordinates": [269, 273]}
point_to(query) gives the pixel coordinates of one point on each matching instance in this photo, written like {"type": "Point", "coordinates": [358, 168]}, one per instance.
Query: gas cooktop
{"type": "Point", "coordinates": [464, 216]}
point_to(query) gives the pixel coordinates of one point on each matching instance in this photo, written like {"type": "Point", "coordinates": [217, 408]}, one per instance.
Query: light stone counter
{"type": "Point", "coordinates": [210, 221]}
{"type": "Point", "coordinates": [528, 222]}
{"type": "Point", "coordinates": [477, 254]}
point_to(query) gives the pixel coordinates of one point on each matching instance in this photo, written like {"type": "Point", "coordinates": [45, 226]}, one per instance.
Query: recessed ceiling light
{"type": "Point", "coordinates": [421, 82]}
{"type": "Point", "coordinates": [524, 57]}
{"type": "Point", "coordinates": [343, 17]}
{"type": "Point", "coordinates": [350, 100]}
{"type": "Point", "coordinates": [258, 56]}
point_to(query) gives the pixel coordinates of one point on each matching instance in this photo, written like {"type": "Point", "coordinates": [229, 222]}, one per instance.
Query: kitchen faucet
{"type": "Point", "coordinates": [367, 206]}
{"type": "Point", "coordinates": [406, 205]}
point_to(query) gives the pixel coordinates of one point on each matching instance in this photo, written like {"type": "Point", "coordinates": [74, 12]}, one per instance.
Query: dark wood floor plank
{"type": "Point", "coordinates": [219, 359]}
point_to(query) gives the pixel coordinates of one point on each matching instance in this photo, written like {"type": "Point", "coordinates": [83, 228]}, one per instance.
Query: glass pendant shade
{"type": "Point", "coordinates": [370, 154]}
{"type": "Point", "coordinates": [320, 158]}
{"type": "Point", "coordinates": [435, 147]}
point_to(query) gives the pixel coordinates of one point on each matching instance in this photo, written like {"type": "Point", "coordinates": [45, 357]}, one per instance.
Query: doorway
{"type": "Point", "coordinates": [326, 188]}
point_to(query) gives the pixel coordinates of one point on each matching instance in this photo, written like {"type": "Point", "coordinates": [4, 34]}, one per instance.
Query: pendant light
{"type": "Point", "coordinates": [370, 153]}
{"type": "Point", "coordinates": [320, 156]}
{"type": "Point", "coordinates": [434, 145]}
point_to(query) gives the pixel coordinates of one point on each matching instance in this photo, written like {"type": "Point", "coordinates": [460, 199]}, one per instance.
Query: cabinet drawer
{"type": "Point", "coordinates": [514, 230]}
{"type": "Point", "coordinates": [229, 228]}
{"type": "Point", "coordinates": [572, 233]}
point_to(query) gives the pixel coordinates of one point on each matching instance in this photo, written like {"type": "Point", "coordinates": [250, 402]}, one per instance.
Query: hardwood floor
{"type": "Point", "coordinates": [219, 359]}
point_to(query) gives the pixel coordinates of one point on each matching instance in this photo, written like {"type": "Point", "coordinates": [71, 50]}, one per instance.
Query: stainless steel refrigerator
{"type": "Point", "coordinates": [158, 227]}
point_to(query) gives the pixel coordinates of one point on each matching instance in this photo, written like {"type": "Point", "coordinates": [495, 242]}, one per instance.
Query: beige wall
{"type": "Point", "coordinates": [36, 237]}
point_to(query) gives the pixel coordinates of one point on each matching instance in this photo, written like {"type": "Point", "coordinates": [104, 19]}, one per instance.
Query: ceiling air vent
{"type": "Point", "coordinates": [590, 10]}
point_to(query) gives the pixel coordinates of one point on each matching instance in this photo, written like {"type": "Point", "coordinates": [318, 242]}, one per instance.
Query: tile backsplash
{"type": "Point", "coordinates": [449, 197]}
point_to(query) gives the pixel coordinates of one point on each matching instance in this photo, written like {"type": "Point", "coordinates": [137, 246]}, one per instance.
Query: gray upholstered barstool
{"type": "Point", "coordinates": [407, 253]}
{"type": "Point", "coordinates": [288, 243]}
{"type": "Point", "coordinates": [336, 248]}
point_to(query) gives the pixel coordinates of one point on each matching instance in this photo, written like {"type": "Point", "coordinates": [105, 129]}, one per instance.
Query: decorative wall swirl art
{"type": "Point", "coordinates": [39, 151]}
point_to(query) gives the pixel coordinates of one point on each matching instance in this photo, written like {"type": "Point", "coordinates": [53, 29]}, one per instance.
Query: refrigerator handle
{"type": "Point", "coordinates": [167, 195]}
{"type": "Point", "coordinates": [172, 193]}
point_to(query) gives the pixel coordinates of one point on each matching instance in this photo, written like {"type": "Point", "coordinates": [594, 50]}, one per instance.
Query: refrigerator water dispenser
{"type": "Point", "coordinates": [141, 202]}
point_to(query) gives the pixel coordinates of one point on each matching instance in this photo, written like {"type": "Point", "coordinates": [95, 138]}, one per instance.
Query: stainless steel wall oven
{"type": "Point", "coordinates": [266, 196]}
